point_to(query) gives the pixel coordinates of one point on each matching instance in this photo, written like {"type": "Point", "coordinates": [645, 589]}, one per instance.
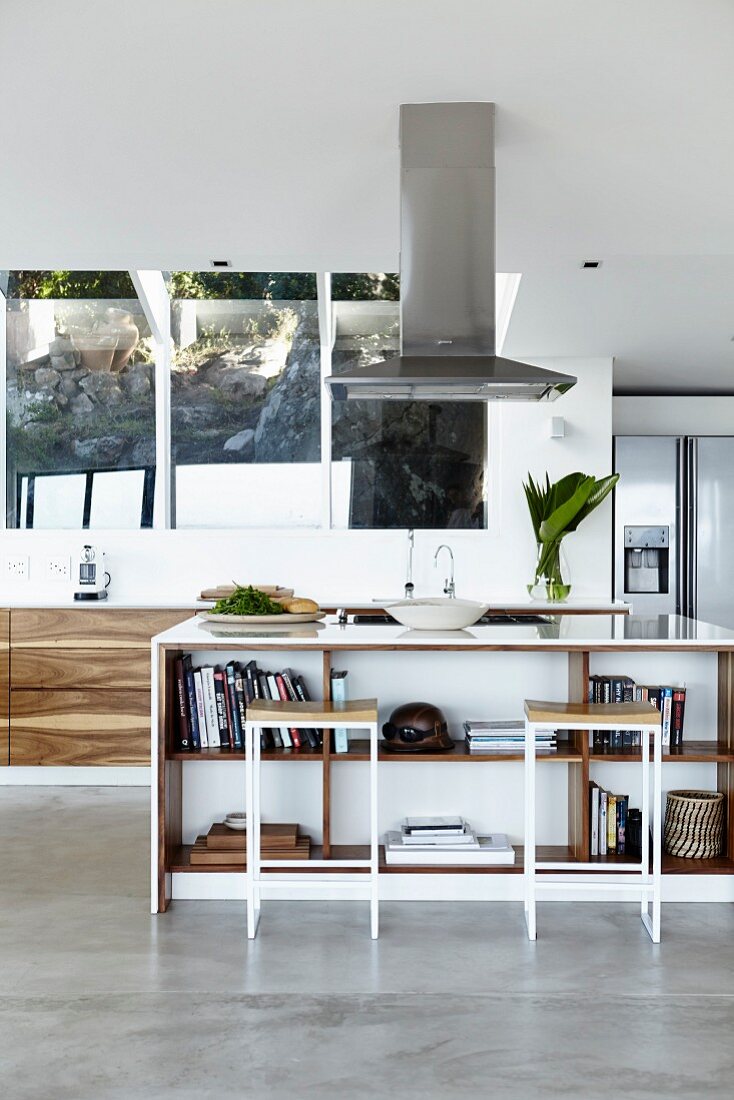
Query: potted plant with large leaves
{"type": "Point", "coordinates": [555, 510]}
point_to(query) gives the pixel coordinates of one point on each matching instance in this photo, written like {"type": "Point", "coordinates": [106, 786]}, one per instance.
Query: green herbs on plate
{"type": "Point", "coordinates": [247, 601]}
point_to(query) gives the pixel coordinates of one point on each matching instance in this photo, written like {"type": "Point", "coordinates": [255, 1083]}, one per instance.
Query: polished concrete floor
{"type": "Point", "coordinates": [98, 999]}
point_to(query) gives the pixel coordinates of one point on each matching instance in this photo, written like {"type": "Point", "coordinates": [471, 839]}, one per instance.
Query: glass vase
{"type": "Point", "coordinates": [551, 580]}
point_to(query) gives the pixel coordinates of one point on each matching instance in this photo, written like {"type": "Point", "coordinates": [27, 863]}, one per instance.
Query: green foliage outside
{"type": "Point", "coordinates": [280, 285]}
{"type": "Point", "coordinates": [70, 284]}
{"type": "Point", "coordinates": [47, 446]}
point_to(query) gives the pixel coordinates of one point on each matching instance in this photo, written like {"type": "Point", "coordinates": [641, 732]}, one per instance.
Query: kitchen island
{"type": "Point", "coordinates": [481, 672]}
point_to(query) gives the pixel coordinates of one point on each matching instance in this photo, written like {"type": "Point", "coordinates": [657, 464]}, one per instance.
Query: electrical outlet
{"type": "Point", "coordinates": [17, 569]}
{"type": "Point", "coordinates": [58, 569]}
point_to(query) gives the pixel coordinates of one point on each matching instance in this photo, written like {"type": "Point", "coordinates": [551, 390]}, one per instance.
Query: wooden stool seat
{"type": "Point", "coordinates": [592, 715]}
{"type": "Point", "coordinates": [273, 712]}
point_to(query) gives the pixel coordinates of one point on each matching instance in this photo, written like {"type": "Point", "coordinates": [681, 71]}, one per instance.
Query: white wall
{"type": "Point", "coordinates": [673, 415]}
{"type": "Point", "coordinates": [172, 566]}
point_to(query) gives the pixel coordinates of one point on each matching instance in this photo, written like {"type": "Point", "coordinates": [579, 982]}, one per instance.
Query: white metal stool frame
{"type": "Point", "coordinates": [254, 881]}
{"type": "Point", "coordinates": [648, 886]}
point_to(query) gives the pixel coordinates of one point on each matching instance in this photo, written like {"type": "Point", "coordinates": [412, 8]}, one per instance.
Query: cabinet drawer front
{"type": "Point", "coordinates": [80, 668]}
{"type": "Point", "coordinates": [80, 727]}
{"type": "Point", "coordinates": [41, 628]}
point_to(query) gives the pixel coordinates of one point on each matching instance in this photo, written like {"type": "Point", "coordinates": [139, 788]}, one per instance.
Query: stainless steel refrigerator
{"type": "Point", "coordinates": [674, 526]}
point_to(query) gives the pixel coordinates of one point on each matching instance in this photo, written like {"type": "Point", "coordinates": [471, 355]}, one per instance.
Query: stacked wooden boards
{"type": "Point", "coordinates": [225, 847]}
{"type": "Point", "coordinates": [80, 684]}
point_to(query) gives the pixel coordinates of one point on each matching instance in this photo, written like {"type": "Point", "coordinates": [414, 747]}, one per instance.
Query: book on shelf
{"type": "Point", "coordinates": [489, 850]}
{"type": "Point", "coordinates": [669, 700]}
{"type": "Point", "coordinates": [339, 695]}
{"type": "Point", "coordinates": [602, 822]}
{"type": "Point", "coordinates": [313, 736]}
{"type": "Point", "coordinates": [183, 727]}
{"type": "Point", "coordinates": [622, 804]}
{"type": "Point", "coordinates": [193, 714]}
{"type": "Point", "coordinates": [281, 737]}
{"type": "Point", "coordinates": [234, 713]}
{"type": "Point", "coordinates": [200, 709]}
{"type": "Point", "coordinates": [608, 817]}
{"type": "Point", "coordinates": [433, 826]}
{"type": "Point", "coordinates": [504, 737]}
{"type": "Point", "coordinates": [219, 695]}
{"type": "Point", "coordinates": [439, 837]}
{"type": "Point", "coordinates": [594, 818]}
{"type": "Point", "coordinates": [211, 706]}
{"type": "Point", "coordinates": [282, 694]}
{"type": "Point", "coordinates": [297, 735]}
{"type": "Point", "coordinates": [611, 822]}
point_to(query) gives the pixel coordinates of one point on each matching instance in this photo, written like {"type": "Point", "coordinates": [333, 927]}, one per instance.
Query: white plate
{"type": "Point", "coordinates": [263, 620]}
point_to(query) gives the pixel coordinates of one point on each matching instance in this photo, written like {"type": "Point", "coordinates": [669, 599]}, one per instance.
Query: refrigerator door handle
{"type": "Point", "coordinates": [691, 527]}
{"type": "Point", "coordinates": [680, 528]}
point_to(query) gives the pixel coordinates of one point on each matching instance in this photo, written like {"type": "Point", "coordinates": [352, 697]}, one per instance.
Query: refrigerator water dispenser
{"type": "Point", "coordinates": [646, 559]}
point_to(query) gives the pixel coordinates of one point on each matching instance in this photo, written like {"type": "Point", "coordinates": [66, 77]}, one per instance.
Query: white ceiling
{"type": "Point", "coordinates": [167, 133]}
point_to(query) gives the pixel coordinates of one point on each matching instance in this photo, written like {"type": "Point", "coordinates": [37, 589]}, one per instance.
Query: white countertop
{"type": "Point", "coordinates": [575, 604]}
{"type": "Point", "coordinates": [111, 603]}
{"type": "Point", "coordinates": [564, 631]}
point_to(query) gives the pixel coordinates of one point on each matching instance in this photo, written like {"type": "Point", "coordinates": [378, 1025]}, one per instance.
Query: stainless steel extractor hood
{"type": "Point", "coordinates": [447, 271]}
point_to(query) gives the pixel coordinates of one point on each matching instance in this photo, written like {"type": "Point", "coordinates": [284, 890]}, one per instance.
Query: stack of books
{"type": "Point", "coordinates": [670, 701]}
{"type": "Point", "coordinates": [225, 846]}
{"type": "Point", "coordinates": [445, 841]}
{"type": "Point", "coordinates": [212, 702]}
{"type": "Point", "coordinates": [607, 822]}
{"type": "Point", "coordinates": [504, 737]}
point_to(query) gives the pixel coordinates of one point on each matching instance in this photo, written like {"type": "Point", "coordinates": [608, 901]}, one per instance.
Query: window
{"type": "Point", "coordinates": [255, 439]}
{"type": "Point", "coordinates": [245, 400]}
{"type": "Point", "coordinates": [398, 463]}
{"type": "Point", "coordinates": [80, 401]}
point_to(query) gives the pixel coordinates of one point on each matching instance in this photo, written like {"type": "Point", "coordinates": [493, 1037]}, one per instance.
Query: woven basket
{"type": "Point", "coordinates": [694, 824]}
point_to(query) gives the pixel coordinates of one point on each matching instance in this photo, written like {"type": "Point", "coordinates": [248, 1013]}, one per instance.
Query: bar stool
{"type": "Point", "coordinates": [355, 714]}
{"type": "Point", "coordinates": [542, 716]}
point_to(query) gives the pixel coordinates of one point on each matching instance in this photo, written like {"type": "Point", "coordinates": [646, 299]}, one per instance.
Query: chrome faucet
{"type": "Point", "coordinates": [449, 587]}
{"type": "Point", "coordinates": [409, 586]}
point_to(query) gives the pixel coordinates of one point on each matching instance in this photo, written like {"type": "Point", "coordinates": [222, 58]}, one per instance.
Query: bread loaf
{"type": "Point", "coordinates": [299, 606]}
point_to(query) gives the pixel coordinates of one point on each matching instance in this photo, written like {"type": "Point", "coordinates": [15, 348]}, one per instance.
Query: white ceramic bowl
{"type": "Point", "coordinates": [437, 613]}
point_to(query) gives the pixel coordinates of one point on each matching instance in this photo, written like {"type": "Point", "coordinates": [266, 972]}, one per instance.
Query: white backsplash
{"type": "Point", "coordinates": [172, 566]}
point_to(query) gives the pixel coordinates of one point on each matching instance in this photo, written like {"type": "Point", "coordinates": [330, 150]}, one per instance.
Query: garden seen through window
{"type": "Point", "coordinates": [252, 428]}
{"type": "Point", "coordinates": [80, 402]}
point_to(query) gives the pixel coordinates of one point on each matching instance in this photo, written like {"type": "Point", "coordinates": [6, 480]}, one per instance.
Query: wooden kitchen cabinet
{"type": "Point", "coordinates": [79, 685]}
{"type": "Point", "coordinates": [4, 688]}
{"type": "Point", "coordinates": [108, 727]}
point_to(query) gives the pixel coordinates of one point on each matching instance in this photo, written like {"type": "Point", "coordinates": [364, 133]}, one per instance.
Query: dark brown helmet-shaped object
{"type": "Point", "coordinates": [417, 727]}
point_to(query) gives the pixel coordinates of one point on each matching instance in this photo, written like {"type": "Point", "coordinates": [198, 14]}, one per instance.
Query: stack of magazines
{"type": "Point", "coordinates": [505, 737]}
{"type": "Point", "coordinates": [445, 841]}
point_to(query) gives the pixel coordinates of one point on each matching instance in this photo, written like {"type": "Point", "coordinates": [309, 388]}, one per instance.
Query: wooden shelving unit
{"type": "Point", "coordinates": [358, 750]}
{"type": "Point", "coordinates": [690, 752]}
{"type": "Point", "coordinates": [574, 753]}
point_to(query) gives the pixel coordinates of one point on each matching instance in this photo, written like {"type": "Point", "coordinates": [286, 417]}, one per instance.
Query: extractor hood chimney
{"type": "Point", "coordinates": [447, 271]}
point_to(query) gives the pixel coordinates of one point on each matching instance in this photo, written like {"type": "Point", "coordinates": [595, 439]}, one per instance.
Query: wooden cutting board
{"type": "Point", "coordinates": [200, 854]}
{"type": "Point", "coordinates": [221, 591]}
{"type": "Point", "coordinates": [272, 836]}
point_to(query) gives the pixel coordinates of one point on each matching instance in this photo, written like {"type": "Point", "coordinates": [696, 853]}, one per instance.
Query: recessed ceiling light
{"type": "Point", "coordinates": [221, 263]}
{"type": "Point", "coordinates": [591, 263]}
